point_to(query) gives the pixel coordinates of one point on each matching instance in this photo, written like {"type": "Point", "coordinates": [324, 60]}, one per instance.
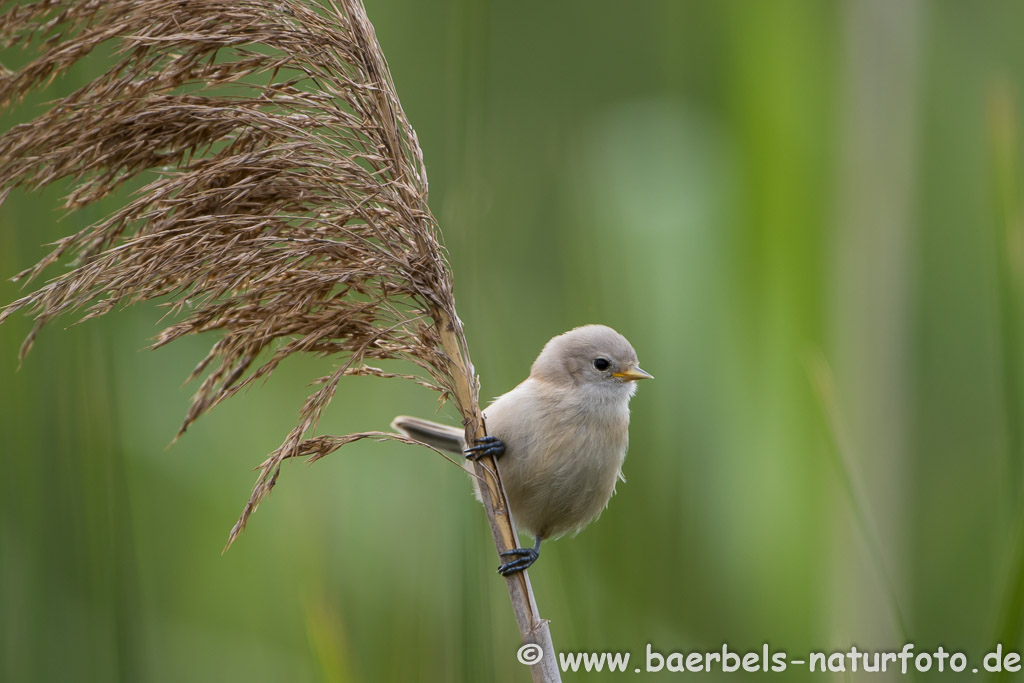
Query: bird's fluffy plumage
{"type": "Point", "coordinates": [565, 430]}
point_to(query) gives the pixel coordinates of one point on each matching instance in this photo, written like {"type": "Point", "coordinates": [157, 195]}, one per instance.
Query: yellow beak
{"type": "Point", "coordinates": [633, 374]}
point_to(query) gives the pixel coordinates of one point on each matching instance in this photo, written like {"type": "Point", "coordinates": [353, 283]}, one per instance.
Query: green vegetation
{"type": "Point", "coordinates": [806, 218]}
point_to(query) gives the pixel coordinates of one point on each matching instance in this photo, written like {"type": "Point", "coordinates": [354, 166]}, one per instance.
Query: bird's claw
{"type": "Point", "coordinates": [487, 445]}
{"type": "Point", "coordinates": [524, 558]}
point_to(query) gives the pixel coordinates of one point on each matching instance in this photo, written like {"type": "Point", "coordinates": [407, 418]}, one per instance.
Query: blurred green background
{"type": "Point", "coordinates": [765, 198]}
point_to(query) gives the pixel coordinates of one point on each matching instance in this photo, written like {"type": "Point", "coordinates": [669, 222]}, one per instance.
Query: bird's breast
{"type": "Point", "coordinates": [564, 453]}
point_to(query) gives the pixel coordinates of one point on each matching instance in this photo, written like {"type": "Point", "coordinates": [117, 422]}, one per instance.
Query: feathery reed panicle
{"type": "Point", "coordinates": [284, 206]}
{"type": "Point", "coordinates": [284, 203]}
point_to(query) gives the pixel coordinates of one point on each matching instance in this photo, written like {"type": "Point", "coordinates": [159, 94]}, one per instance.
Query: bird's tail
{"type": "Point", "coordinates": [443, 437]}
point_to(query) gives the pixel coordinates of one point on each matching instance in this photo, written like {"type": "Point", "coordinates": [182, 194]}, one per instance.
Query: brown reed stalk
{"type": "Point", "coordinates": [284, 205]}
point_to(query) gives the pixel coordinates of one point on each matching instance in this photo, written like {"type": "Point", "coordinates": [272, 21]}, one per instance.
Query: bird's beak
{"type": "Point", "coordinates": [633, 374]}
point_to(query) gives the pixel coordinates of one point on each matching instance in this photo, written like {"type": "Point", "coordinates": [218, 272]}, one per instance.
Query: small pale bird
{"type": "Point", "coordinates": [561, 435]}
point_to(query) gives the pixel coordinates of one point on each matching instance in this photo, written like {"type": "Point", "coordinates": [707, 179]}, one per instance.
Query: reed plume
{"type": "Point", "coordinates": [287, 208]}
{"type": "Point", "coordinates": [283, 203]}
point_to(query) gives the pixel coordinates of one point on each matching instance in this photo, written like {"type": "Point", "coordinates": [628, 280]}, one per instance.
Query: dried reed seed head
{"type": "Point", "coordinates": [284, 203]}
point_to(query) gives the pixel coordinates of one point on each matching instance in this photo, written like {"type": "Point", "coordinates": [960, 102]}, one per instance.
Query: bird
{"type": "Point", "coordinates": [560, 436]}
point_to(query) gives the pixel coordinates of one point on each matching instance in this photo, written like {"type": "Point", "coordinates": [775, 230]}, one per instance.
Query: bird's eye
{"type": "Point", "coordinates": [601, 364]}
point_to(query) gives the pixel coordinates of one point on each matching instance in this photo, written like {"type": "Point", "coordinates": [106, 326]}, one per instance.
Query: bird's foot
{"type": "Point", "coordinates": [524, 558]}
{"type": "Point", "coordinates": [487, 445]}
